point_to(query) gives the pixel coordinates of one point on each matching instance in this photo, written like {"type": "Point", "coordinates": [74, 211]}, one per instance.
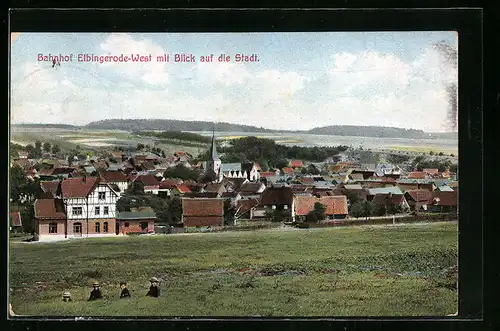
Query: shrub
{"type": "Point", "coordinates": [302, 225]}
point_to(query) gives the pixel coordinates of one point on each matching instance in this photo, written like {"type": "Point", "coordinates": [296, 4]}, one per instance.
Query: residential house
{"type": "Point", "coordinates": [89, 205]}
{"type": "Point", "coordinates": [361, 174]}
{"type": "Point", "coordinates": [390, 200]}
{"type": "Point", "coordinates": [287, 171]}
{"type": "Point", "coordinates": [232, 197]}
{"type": "Point", "coordinates": [150, 182]}
{"type": "Point", "coordinates": [245, 208]}
{"type": "Point", "coordinates": [234, 184]}
{"type": "Point", "coordinates": [202, 213]}
{"type": "Point", "coordinates": [218, 188]}
{"type": "Point", "coordinates": [118, 155]}
{"type": "Point", "coordinates": [50, 220]}
{"type": "Point", "coordinates": [417, 175]}
{"type": "Point", "coordinates": [276, 198]}
{"type": "Point", "coordinates": [372, 192]}
{"type": "Point", "coordinates": [166, 186]}
{"type": "Point", "coordinates": [117, 178]}
{"type": "Point", "coordinates": [179, 190]}
{"type": "Point", "coordinates": [255, 187]}
{"type": "Point", "coordinates": [335, 206]}
{"type": "Point", "coordinates": [137, 220]}
{"type": "Point", "coordinates": [296, 164]}
{"type": "Point", "coordinates": [444, 202]}
{"type": "Point", "coordinates": [22, 154]}
{"type": "Point", "coordinates": [431, 172]}
{"type": "Point", "coordinates": [406, 184]}
{"type": "Point", "coordinates": [16, 224]}
{"type": "Point", "coordinates": [418, 200]}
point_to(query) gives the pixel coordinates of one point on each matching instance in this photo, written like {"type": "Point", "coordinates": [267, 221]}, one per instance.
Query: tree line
{"type": "Point", "coordinates": [176, 135]}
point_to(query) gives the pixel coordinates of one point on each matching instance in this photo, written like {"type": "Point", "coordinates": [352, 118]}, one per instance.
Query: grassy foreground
{"type": "Point", "coordinates": [368, 270]}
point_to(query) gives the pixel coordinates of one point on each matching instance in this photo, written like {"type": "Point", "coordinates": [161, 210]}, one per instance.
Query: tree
{"type": "Point", "coordinates": [431, 153]}
{"type": "Point", "coordinates": [182, 172]}
{"type": "Point", "coordinates": [303, 171]}
{"type": "Point", "coordinates": [352, 197]}
{"type": "Point", "coordinates": [449, 54]}
{"type": "Point", "coordinates": [38, 145]}
{"type": "Point", "coordinates": [140, 147]}
{"type": "Point", "coordinates": [209, 176]}
{"type": "Point", "coordinates": [229, 212]}
{"type": "Point", "coordinates": [441, 154]}
{"type": "Point", "coordinates": [163, 154]}
{"type": "Point", "coordinates": [17, 182]}
{"type": "Point", "coordinates": [175, 210]}
{"type": "Point", "coordinates": [136, 188]}
{"type": "Point", "coordinates": [56, 149]}
{"type": "Point", "coordinates": [362, 209]}
{"type": "Point", "coordinates": [381, 210]}
{"type": "Point", "coordinates": [28, 217]}
{"type": "Point", "coordinates": [317, 214]}
{"type": "Point", "coordinates": [397, 159]}
{"type": "Point", "coordinates": [47, 147]}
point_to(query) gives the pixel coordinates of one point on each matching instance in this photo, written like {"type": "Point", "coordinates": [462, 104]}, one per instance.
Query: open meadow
{"type": "Point", "coordinates": [385, 270]}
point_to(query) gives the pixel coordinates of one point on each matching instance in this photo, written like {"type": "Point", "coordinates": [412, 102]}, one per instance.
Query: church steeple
{"type": "Point", "coordinates": [213, 152]}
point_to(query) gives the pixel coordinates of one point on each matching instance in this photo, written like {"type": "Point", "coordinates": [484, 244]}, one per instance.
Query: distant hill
{"type": "Point", "coordinates": [169, 125]}
{"type": "Point", "coordinates": [135, 125]}
{"type": "Point", "coordinates": [44, 126]}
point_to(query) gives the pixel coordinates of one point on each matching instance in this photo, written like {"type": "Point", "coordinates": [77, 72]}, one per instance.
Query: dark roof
{"type": "Point", "coordinates": [232, 194]}
{"type": "Point", "coordinates": [419, 195]}
{"type": "Point", "coordinates": [446, 198]}
{"type": "Point", "coordinates": [114, 187]}
{"type": "Point", "coordinates": [391, 199]}
{"type": "Point", "coordinates": [62, 171]}
{"type": "Point", "coordinates": [49, 209]}
{"type": "Point", "coordinates": [243, 206]}
{"type": "Point", "coordinates": [202, 207]}
{"type": "Point", "coordinates": [170, 183]}
{"type": "Point", "coordinates": [140, 213]}
{"type": "Point", "coordinates": [15, 219]}
{"type": "Point", "coordinates": [251, 187]}
{"type": "Point", "coordinates": [235, 183]}
{"type": "Point", "coordinates": [214, 187]}
{"type": "Point", "coordinates": [277, 196]}
{"type": "Point", "coordinates": [147, 180]}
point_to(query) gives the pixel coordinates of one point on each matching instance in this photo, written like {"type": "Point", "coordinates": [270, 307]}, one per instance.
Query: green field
{"type": "Point", "coordinates": [351, 271]}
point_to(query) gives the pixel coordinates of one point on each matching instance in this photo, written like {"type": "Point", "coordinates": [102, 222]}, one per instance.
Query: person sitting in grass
{"type": "Point", "coordinates": [96, 293]}
{"type": "Point", "coordinates": [125, 292]}
{"type": "Point", "coordinates": [154, 290]}
{"type": "Point", "coordinates": [66, 297]}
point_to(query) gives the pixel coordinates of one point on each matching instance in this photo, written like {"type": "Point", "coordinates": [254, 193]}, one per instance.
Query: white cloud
{"type": "Point", "coordinates": [150, 72]}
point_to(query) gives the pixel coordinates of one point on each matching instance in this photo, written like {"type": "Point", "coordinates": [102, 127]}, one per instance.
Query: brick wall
{"type": "Point", "coordinates": [134, 226]}
{"type": "Point", "coordinates": [43, 227]}
{"type": "Point", "coordinates": [92, 227]}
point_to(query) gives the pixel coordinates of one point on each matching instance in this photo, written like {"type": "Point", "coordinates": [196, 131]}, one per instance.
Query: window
{"type": "Point", "coordinates": [127, 224]}
{"type": "Point", "coordinates": [106, 210]}
{"type": "Point", "coordinates": [52, 227]}
{"type": "Point", "coordinates": [105, 227]}
{"type": "Point", "coordinates": [102, 195]}
{"type": "Point", "coordinates": [97, 210]}
{"type": "Point", "coordinates": [144, 226]}
{"type": "Point", "coordinates": [97, 227]}
{"type": "Point", "coordinates": [77, 211]}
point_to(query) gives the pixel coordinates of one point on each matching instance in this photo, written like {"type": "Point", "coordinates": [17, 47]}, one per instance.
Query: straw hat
{"type": "Point", "coordinates": [96, 283]}
{"type": "Point", "coordinates": [66, 295]}
{"type": "Point", "coordinates": [154, 279]}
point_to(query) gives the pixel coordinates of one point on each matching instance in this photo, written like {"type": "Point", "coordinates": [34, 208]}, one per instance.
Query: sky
{"type": "Point", "coordinates": [301, 81]}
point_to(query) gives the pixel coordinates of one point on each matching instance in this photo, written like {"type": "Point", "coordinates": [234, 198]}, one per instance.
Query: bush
{"type": "Point", "coordinates": [302, 225]}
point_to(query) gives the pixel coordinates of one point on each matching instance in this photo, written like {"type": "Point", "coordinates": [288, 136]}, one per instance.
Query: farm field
{"type": "Point", "coordinates": [382, 270]}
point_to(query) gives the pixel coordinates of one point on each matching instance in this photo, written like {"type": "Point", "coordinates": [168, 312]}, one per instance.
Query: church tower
{"type": "Point", "coordinates": [214, 162]}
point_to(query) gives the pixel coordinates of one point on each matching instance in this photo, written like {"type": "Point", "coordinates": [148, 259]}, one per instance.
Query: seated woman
{"type": "Point", "coordinates": [96, 293]}
{"type": "Point", "coordinates": [125, 292]}
{"type": "Point", "coordinates": [154, 290]}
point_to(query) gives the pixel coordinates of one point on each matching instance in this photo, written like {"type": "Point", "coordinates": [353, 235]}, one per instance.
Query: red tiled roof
{"type": "Point", "coordinates": [446, 198]}
{"type": "Point", "coordinates": [49, 209]}
{"type": "Point", "coordinates": [15, 219]}
{"type": "Point", "coordinates": [78, 187]}
{"type": "Point", "coordinates": [112, 176]}
{"type": "Point", "coordinates": [335, 205]}
{"type": "Point", "coordinates": [431, 171]}
{"type": "Point", "coordinates": [170, 183]}
{"type": "Point", "coordinates": [50, 187]}
{"type": "Point", "coordinates": [267, 174]}
{"type": "Point", "coordinates": [296, 163]}
{"type": "Point", "coordinates": [202, 207]}
{"type": "Point", "coordinates": [420, 195]}
{"type": "Point", "coordinates": [417, 175]}
{"type": "Point", "coordinates": [183, 188]}
{"type": "Point", "coordinates": [288, 170]}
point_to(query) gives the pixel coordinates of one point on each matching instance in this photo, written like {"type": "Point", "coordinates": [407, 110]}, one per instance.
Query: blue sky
{"type": "Point", "coordinates": [302, 80]}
